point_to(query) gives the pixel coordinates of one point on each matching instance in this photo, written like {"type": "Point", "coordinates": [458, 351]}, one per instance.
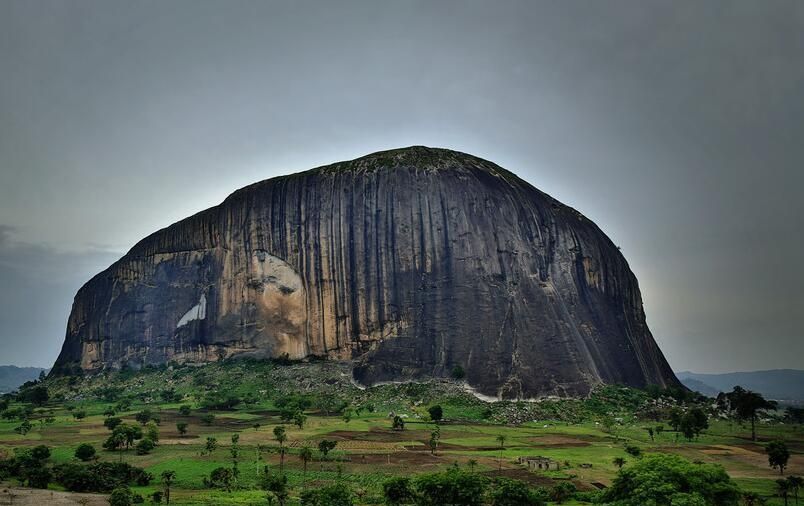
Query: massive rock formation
{"type": "Point", "coordinates": [409, 262]}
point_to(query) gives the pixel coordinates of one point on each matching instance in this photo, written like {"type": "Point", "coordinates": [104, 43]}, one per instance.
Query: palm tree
{"type": "Point", "coordinates": [795, 483]}
{"type": "Point", "coordinates": [783, 489]}
{"type": "Point", "coordinates": [501, 440]}
{"type": "Point", "coordinates": [280, 434]}
{"type": "Point", "coordinates": [167, 479]}
{"type": "Point", "coordinates": [619, 462]}
{"type": "Point", "coordinates": [306, 455]}
{"type": "Point", "coordinates": [472, 464]}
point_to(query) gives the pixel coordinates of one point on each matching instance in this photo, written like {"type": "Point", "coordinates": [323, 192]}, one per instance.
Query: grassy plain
{"type": "Point", "coordinates": [571, 432]}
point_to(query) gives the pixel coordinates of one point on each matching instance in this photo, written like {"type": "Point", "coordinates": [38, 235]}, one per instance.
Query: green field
{"type": "Point", "coordinates": [576, 434]}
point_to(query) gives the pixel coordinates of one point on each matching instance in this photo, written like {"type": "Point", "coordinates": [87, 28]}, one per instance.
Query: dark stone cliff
{"type": "Point", "coordinates": [408, 262]}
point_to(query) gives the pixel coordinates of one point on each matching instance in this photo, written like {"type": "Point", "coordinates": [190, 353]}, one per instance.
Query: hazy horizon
{"type": "Point", "coordinates": [675, 127]}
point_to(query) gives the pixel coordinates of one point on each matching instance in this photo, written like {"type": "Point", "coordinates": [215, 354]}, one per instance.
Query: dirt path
{"type": "Point", "coordinates": [16, 496]}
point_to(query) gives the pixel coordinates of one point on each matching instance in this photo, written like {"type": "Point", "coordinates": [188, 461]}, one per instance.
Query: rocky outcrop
{"type": "Point", "coordinates": [408, 262]}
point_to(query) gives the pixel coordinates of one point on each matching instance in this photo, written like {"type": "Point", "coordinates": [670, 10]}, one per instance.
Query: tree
{"type": "Point", "coordinates": [783, 489]}
{"type": "Point", "coordinates": [234, 451]}
{"type": "Point", "coordinates": [563, 491]}
{"type": "Point", "coordinates": [306, 455]}
{"type": "Point", "coordinates": [79, 414]}
{"type": "Point", "coordinates": [275, 484]}
{"type": "Point", "coordinates": [398, 491]}
{"type": "Point", "coordinates": [256, 426]}
{"type": "Point", "coordinates": [795, 483]}
{"type": "Point", "coordinates": [633, 451]}
{"type": "Point", "coordinates": [211, 445]}
{"type": "Point", "coordinates": [143, 416]}
{"type": "Point", "coordinates": [398, 423]}
{"type": "Point", "coordinates": [670, 479]}
{"type": "Point", "coordinates": [749, 405]}
{"type": "Point", "coordinates": [208, 419]}
{"type": "Point", "coordinates": [619, 462]}
{"type": "Point", "coordinates": [182, 428]}
{"type": "Point", "coordinates": [650, 433]}
{"type": "Point", "coordinates": [184, 410]}
{"type": "Point", "coordinates": [152, 432]}
{"type": "Point", "coordinates": [23, 428]}
{"type": "Point", "coordinates": [325, 446]}
{"type": "Point", "coordinates": [452, 487]}
{"type": "Point", "coordinates": [434, 437]}
{"type": "Point", "coordinates": [121, 496]}
{"type": "Point", "coordinates": [675, 418]}
{"type": "Point", "coordinates": [145, 446]}
{"type": "Point", "coordinates": [37, 395]}
{"type": "Point", "coordinates": [280, 434]}
{"type": "Point", "coordinates": [507, 492]}
{"type": "Point", "coordinates": [700, 420]}
{"type": "Point", "coordinates": [436, 413]}
{"type": "Point", "coordinates": [752, 499]}
{"type": "Point", "coordinates": [778, 455]}
{"type": "Point", "coordinates": [222, 478]}
{"type": "Point", "coordinates": [123, 435]}
{"type": "Point", "coordinates": [331, 495]}
{"type": "Point", "coordinates": [115, 441]}
{"type": "Point", "coordinates": [794, 414]}
{"type": "Point", "coordinates": [85, 452]}
{"type": "Point", "coordinates": [458, 373]}
{"type": "Point", "coordinates": [168, 477]}
{"type": "Point", "coordinates": [472, 463]}
{"type": "Point", "coordinates": [112, 422]}
{"type": "Point", "coordinates": [500, 439]}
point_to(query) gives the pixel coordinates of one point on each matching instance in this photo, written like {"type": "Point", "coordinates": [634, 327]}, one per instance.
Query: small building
{"type": "Point", "coordinates": [540, 463]}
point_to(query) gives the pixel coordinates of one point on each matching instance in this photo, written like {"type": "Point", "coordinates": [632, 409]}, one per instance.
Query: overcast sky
{"type": "Point", "coordinates": [678, 127]}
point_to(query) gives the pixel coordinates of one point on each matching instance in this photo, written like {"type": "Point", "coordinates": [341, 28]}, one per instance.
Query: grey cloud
{"type": "Point", "coordinates": [36, 292]}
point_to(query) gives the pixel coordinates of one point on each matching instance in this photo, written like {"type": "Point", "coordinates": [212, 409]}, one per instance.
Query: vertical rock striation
{"type": "Point", "coordinates": [408, 262]}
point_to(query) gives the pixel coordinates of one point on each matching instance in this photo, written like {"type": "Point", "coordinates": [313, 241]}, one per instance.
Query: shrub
{"type": "Point", "coordinates": [36, 395]}
{"type": "Point", "coordinates": [332, 495]}
{"type": "Point", "coordinates": [670, 479]}
{"type": "Point", "coordinates": [122, 496]}
{"type": "Point", "coordinates": [563, 491]}
{"type": "Point", "coordinates": [37, 477]}
{"type": "Point", "coordinates": [452, 487]}
{"type": "Point", "coordinates": [276, 484]}
{"type": "Point", "coordinates": [507, 492]}
{"type": "Point", "coordinates": [99, 477]}
{"type": "Point", "coordinates": [633, 450]}
{"type": "Point", "coordinates": [220, 402]}
{"type": "Point", "coordinates": [398, 491]}
{"type": "Point", "coordinates": [221, 477]}
{"type": "Point", "coordinates": [144, 416]}
{"type": "Point", "coordinates": [436, 413]}
{"type": "Point", "coordinates": [145, 446]}
{"type": "Point", "coordinates": [85, 452]}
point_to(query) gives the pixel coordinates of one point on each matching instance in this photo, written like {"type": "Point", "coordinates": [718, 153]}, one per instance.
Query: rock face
{"type": "Point", "coordinates": [409, 262]}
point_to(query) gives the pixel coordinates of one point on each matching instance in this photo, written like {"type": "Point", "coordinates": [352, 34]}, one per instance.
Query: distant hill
{"type": "Point", "coordinates": [12, 376]}
{"type": "Point", "coordinates": [778, 384]}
